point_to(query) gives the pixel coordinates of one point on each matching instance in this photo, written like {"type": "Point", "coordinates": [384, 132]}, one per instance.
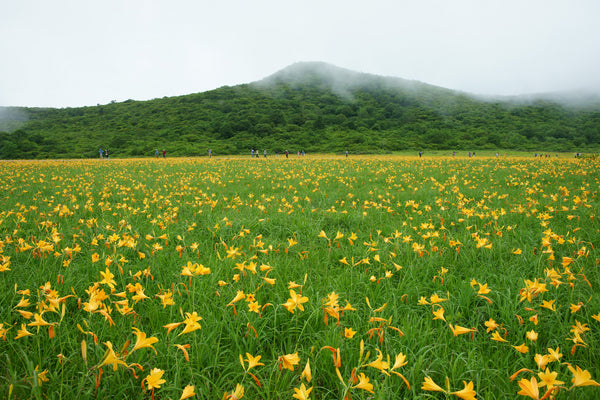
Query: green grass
{"type": "Point", "coordinates": [273, 212]}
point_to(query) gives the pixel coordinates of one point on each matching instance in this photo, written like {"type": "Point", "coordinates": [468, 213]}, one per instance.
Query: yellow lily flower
{"type": "Point", "coordinates": [467, 393]}
{"type": "Point", "coordinates": [430, 385]}
{"type": "Point", "coordinates": [548, 379]}
{"type": "Point", "coordinates": [532, 335]}
{"type": "Point", "coordinates": [438, 313]}
{"type": "Point", "coordinates": [522, 348]}
{"type": "Point", "coordinates": [172, 326]}
{"type": "Point", "coordinates": [23, 332]}
{"type": "Point", "coordinates": [142, 341]}
{"type": "Point", "coordinates": [379, 363]}
{"type": "Point", "coordinates": [295, 301]}
{"type": "Point", "coordinates": [306, 372]}
{"type": "Point", "coordinates": [288, 361]}
{"type": "Point", "coordinates": [188, 392]}
{"type": "Point", "coordinates": [110, 358]}
{"type": "Point", "coordinates": [363, 383]}
{"type": "Point", "coordinates": [581, 377]}
{"type": "Point", "coordinates": [154, 379]}
{"type": "Point", "coordinates": [541, 360]}
{"type": "Point", "coordinates": [191, 323]}
{"type": "Point", "coordinates": [460, 330]}
{"type": "Point", "coordinates": [237, 394]}
{"type": "Point", "coordinates": [349, 333]}
{"type": "Point", "coordinates": [529, 388]}
{"type": "Point", "coordinates": [253, 361]}
{"type": "Point", "coordinates": [554, 355]}
{"type": "Point", "coordinates": [400, 361]}
{"type": "Point", "coordinates": [302, 393]}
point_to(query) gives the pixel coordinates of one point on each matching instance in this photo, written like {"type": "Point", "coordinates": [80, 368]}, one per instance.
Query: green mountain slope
{"type": "Point", "coordinates": [307, 106]}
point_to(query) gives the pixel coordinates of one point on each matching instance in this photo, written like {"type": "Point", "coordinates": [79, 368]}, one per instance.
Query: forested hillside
{"type": "Point", "coordinates": [308, 106]}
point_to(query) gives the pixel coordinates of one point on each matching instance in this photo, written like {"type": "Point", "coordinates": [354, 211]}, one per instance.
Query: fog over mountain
{"type": "Point", "coordinates": [12, 118]}
{"type": "Point", "coordinates": [582, 98]}
{"type": "Point", "coordinates": [312, 106]}
{"type": "Point", "coordinates": [338, 79]}
{"type": "Point", "coordinates": [341, 81]}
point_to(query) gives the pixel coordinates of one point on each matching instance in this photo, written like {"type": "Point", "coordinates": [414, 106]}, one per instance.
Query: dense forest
{"type": "Point", "coordinates": [314, 107]}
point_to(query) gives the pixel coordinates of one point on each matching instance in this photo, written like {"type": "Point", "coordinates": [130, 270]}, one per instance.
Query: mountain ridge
{"type": "Point", "coordinates": [582, 98]}
{"type": "Point", "coordinates": [310, 105]}
{"type": "Point", "coordinates": [292, 74]}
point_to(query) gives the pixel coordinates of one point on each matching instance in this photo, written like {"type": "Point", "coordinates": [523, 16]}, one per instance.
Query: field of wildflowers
{"type": "Point", "coordinates": [317, 277]}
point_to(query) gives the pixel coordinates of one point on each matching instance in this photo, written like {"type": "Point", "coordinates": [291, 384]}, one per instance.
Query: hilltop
{"type": "Point", "coordinates": [307, 106]}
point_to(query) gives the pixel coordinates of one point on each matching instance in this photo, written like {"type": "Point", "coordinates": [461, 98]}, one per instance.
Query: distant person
{"type": "Point", "coordinates": [420, 154]}
{"type": "Point", "coordinates": [251, 153]}
{"type": "Point", "coordinates": [265, 153]}
{"type": "Point", "coordinates": [303, 154]}
{"type": "Point", "coordinates": [106, 153]}
{"type": "Point", "coordinates": [453, 153]}
{"type": "Point", "coordinates": [209, 153]}
{"type": "Point", "coordinates": [469, 154]}
{"type": "Point", "coordinates": [346, 153]}
{"type": "Point", "coordinates": [496, 154]}
{"type": "Point", "coordinates": [164, 153]}
{"type": "Point", "coordinates": [287, 153]}
{"type": "Point", "coordinates": [156, 153]}
{"type": "Point", "coordinates": [101, 152]}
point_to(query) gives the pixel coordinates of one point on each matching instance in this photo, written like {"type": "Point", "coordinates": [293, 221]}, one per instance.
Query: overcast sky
{"type": "Point", "coordinates": [78, 53]}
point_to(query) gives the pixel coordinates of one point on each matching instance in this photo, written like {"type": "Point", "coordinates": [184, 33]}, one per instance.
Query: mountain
{"type": "Point", "coordinates": [315, 107]}
{"type": "Point", "coordinates": [340, 80]}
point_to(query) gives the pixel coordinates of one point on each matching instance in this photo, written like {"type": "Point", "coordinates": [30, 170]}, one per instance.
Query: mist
{"type": "Point", "coordinates": [341, 81]}
{"type": "Point", "coordinates": [581, 99]}
{"type": "Point", "coordinates": [12, 118]}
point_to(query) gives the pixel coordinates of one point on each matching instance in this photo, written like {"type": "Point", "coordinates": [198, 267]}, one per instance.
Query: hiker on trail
{"type": "Point", "coordinates": [265, 153]}
{"type": "Point", "coordinates": [287, 153]}
{"type": "Point", "coordinates": [164, 153]}
{"type": "Point", "coordinates": [101, 152]}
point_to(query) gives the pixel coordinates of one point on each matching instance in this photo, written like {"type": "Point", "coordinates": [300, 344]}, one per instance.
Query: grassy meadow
{"type": "Point", "coordinates": [321, 277]}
